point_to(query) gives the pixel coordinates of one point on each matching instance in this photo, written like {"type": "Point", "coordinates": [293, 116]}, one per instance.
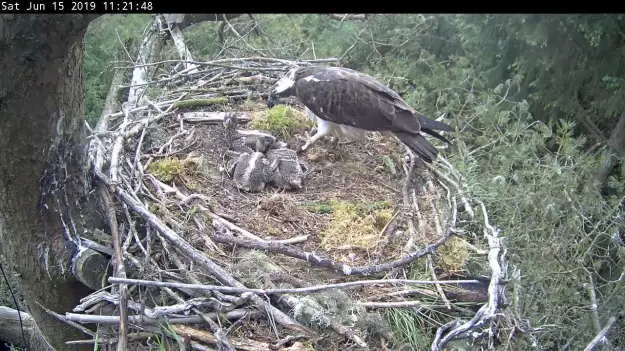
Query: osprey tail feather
{"type": "Point", "coordinates": [429, 126]}
{"type": "Point", "coordinates": [419, 145]}
{"type": "Point", "coordinates": [428, 123]}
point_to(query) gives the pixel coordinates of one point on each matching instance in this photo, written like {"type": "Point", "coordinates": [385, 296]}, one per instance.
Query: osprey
{"type": "Point", "coordinates": [345, 97]}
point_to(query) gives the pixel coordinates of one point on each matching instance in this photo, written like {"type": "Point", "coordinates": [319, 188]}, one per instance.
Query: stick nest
{"type": "Point", "coordinates": [366, 211]}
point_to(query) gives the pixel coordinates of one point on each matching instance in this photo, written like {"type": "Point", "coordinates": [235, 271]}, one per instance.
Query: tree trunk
{"type": "Point", "coordinates": [616, 145]}
{"type": "Point", "coordinates": [44, 179]}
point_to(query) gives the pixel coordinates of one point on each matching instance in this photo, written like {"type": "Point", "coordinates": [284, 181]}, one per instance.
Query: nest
{"type": "Point", "coordinates": [199, 254]}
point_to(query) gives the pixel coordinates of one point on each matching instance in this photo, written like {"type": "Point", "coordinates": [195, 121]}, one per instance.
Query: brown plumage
{"type": "Point", "coordinates": [348, 97]}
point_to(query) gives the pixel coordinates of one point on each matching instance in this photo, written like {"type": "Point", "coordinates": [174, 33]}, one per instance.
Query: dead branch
{"type": "Point", "coordinates": [311, 289]}
{"type": "Point", "coordinates": [143, 320]}
{"type": "Point", "coordinates": [183, 50]}
{"type": "Point", "coordinates": [489, 311]}
{"type": "Point", "coordinates": [206, 337]}
{"type": "Point", "coordinates": [601, 337]}
{"type": "Point", "coordinates": [397, 304]}
{"type": "Point", "coordinates": [120, 270]}
{"type": "Point", "coordinates": [316, 259]}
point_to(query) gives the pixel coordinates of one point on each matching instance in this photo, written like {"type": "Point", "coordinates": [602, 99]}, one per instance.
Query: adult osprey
{"type": "Point", "coordinates": [345, 97]}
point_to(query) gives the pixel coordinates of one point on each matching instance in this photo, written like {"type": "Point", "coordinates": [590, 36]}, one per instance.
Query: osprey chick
{"type": "Point", "coordinates": [346, 97]}
{"type": "Point", "coordinates": [291, 169]}
{"type": "Point", "coordinates": [251, 172]}
{"type": "Point", "coordinates": [249, 142]}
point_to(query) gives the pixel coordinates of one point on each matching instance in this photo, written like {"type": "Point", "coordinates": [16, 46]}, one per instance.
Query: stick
{"type": "Point", "coordinates": [599, 338]}
{"type": "Point", "coordinates": [239, 290]}
{"type": "Point", "coordinates": [120, 271]}
{"type": "Point", "coordinates": [327, 263]}
{"type": "Point", "coordinates": [143, 320]}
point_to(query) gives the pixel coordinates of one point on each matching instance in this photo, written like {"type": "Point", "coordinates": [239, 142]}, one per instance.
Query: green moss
{"type": "Point", "coordinates": [355, 225]}
{"type": "Point", "coordinates": [282, 121]}
{"type": "Point", "coordinates": [167, 169]}
{"type": "Point", "coordinates": [319, 207]}
{"type": "Point", "coordinates": [201, 102]}
{"type": "Point", "coordinates": [453, 255]}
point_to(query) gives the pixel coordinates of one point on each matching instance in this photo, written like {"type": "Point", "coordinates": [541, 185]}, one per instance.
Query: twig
{"type": "Point", "coordinates": [438, 286]}
{"type": "Point", "coordinates": [64, 319]}
{"type": "Point", "coordinates": [395, 304]}
{"type": "Point", "coordinates": [105, 340]}
{"type": "Point", "coordinates": [218, 332]}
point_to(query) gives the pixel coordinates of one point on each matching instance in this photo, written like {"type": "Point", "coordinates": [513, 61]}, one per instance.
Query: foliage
{"type": "Point", "coordinates": [103, 44]}
{"type": "Point", "coordinates": [571, 64]}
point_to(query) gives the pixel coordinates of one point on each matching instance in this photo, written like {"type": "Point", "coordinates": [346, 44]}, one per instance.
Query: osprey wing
{"type": "Point", "coordinates": [344, 97]}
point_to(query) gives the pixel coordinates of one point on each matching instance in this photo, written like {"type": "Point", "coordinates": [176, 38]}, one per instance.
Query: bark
{"type": "Point", "coordinates": [616, 146]}
{"type": "Point", "coordinates": [44, 170]}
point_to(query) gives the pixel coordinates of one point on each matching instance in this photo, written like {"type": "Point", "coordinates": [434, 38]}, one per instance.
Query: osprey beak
{"type": "Point", "coordinates": [273, 100]}
{"type": "Point", "coordinates": [270, 102]}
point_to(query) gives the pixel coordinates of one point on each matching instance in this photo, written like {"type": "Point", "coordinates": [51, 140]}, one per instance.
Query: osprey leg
{"type": "Point", "coordinates": [311, 140]}
{"type": "Point", "coordinates": [323, 129]}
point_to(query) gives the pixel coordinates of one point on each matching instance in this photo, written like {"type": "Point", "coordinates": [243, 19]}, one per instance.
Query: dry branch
{"type": "Point", "coordinates": [348, 17]}
{"type": "Point", "coordinates": [120, 270]}
{"type": "Point", "coordinates": [489, 311]}
{"type": "Point", "coordinates": [317, 260]}
{"type": "Point", "coordinates": [601, 336]}
{"type": "Point", "coordinates": [143, 320]}
{"type": "Point", "coordinates": [311, 289]}
{"type": "Point", "coordinates": [206, 337]}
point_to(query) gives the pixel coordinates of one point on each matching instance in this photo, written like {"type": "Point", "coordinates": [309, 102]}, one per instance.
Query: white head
{"type": "Point", "coordinates": [283, 87]}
